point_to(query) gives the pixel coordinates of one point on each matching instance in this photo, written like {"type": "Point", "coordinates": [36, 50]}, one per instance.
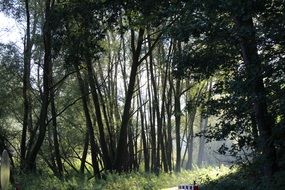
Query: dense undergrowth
{"type": "Point", "coordinates": [246, 179]}
{"type": "Point", "coordinates": [211, 178]}
{"type": "Point", "coordinates": [129, 181]}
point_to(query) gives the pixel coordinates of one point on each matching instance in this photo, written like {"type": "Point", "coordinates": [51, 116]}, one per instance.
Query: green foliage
{"type": "Point", "coordinates": [46, 182]}
{"type": "Point", "coordinates": [209, 38]}
{"type": "Point", "coordinates": [212, 36]}
{"type": "Point", "coordinates": [245, 179]}
{"type": "Point", "coordinates": [135, 180]}
{"type": "Point", "coordinates": [10, 91]}
{"type": "Point", "coordinates": [211, 178]}
{"type": "Point", "coordinates": [10, 69]}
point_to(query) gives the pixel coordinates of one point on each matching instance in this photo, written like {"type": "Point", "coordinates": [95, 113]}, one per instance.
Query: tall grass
{"type": "Point", "coordinates": [129, 181]}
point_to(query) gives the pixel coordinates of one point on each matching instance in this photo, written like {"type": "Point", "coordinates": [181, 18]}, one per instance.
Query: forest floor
{"type": "Point", "coordinates": [135, 180]}
{"type": "Point", "coordinates": [211, 178]}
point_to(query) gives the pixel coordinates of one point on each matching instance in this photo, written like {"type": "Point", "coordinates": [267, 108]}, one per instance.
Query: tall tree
{"type": "Point", "coordinates": [93, 145]}
{"type": "Point", "coordinates": [27, 120]}
{"type": "Point", "coordinates": [177, 111]}
{"type": "Point", "coordinates": [122, 143]}
{"type": "Point", "coordinates": [47, 74]}
{"type": "Point", "coordinates": [55, 135]}
{"type": "Point", "coordinates": [252, 62]}
{"type": "Point", "coordinates": [238, 29]}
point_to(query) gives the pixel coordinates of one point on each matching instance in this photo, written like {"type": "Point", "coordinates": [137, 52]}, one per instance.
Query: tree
{"type": "Point", "coordinates": [230, 25]}
{"type": "Point", "coordinates": [30, 162]}
{"type": "Point", "coordinates": [27, 120]}
{"type": "Point", "coordinates": [121, 148]}
{"type": "Point", "coordinates": [93, 144]}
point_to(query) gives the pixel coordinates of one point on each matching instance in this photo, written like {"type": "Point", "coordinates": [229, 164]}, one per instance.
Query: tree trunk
{"type": "Point", "coordinates": [104, 147]}
{"type": "Point", "coordinates": [177, 112]}
{"type": "Point", "coordinates": [109, 122]}
{"type": "Point", "coordinates": [169, 129]}
{"type": "Point", "coordinates": [131, 148]}
{"type": "Point", "coordinates": [55, 136]}
{"type": "Point", "coordinates": [85, 151]}
{"type": "Point", "coordinates": [47, 71]}
{"type": "Point", "coordinates": [154, 166]}
{"type": "Point", "coordinates": [190, 139]}
{"type": "Point", "coordinates": [258, 94]}
{"type": "Point", "coordinates": [160, 151]}
{"type": "Point", "coordinates": [94, 147]}
{"type": "Point", "coordinates": [169, 112]}
{"type": "Point", "coordinates": [143, 134]}
{"type": "Point", "coordinates": [164, 77]}
{"type": "Point", "coordinates": [122, 143]}
{"type": "Point", "coordinates": [27, 120]}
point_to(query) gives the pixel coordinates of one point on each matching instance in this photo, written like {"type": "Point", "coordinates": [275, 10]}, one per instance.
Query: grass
{"type": "Point", "coordinates": [246, 179]}
{"type": "Point", "coordinates": [211, 178]}
{"type": "Point", "coordinates": [130, 181]}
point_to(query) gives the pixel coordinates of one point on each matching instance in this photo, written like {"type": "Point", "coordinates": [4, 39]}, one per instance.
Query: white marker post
{"type": "Point", "coordinates": [5, 170]}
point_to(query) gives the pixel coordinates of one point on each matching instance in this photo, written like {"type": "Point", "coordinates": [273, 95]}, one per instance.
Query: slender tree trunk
{"type": "Point", "coordinates": [169, 129]}
{"type": "Point", "coordinates": [109, 124]}
{"type": "Point", "coordinates": [190, 143]}
{"type": "Point", "coordinates": [85, 151]}
{"type": "Point", "coordinates": [160, 144]}
{"type": "Point", "coordinates": [143, 134]}
{"type": "Point", "coordinates": [47, 71]}
{"type": "Point", "coordinates": [104, 147]}
{"type": "Point", "coordinates": [136, 146]}
{"type": "Point", "coordinates": [131, 159]}
{"type": "Point", "coordinates": [122, 143]}
{"type": "Point", "coordinates": [169, 111]}
{"type": "Point", "coordinates": [94, 147]}
{"type": "Point", "coordinates": [177, 111]}
{"type": "Point", "coordinates": [151, 123]}
{"type": "Point", "coordinates": [55, 136]}
{"type": "Point", "coordinates": [27, 120]}
{"type": "Point", "coordinates": [164, 77]}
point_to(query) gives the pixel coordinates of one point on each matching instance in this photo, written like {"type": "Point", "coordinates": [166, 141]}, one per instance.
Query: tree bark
{"type": "Point", "coordinates": [94, 147]}
{"type": "Point", "coordinates": [55, 136]}
{"type": "Point", "coordinates": [177, 112]}
{"type": "Point", "coordinates": [154, 167]}
{"type": "Point", "coordinates": [169, 129]}
{"type": "Point", "coordinates": [122, 143]}
{"type": "Point", "coordinates": [264, 120]}
{"type": "Point", "coordinates": [143, 135]}
{"type": "Point", "coordinates": [103, 143]}
{"type": "Point", "coordinates": [47, 71]}
{"type": "Point", "coordinates": [27, 120]}
{"type": "Point", "coordinates": [85, 151]}
{"type": "Point", "coordinates": [160, 151]}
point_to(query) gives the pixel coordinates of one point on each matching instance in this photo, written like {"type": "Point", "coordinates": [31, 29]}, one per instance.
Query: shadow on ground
{"type": "Point", "coordinates": [246, 180]}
